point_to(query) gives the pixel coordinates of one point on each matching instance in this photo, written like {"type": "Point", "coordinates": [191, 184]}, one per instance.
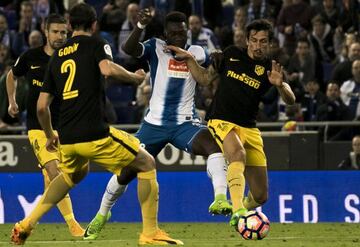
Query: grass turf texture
{"type": "Point", "coordinates": [198, 234]}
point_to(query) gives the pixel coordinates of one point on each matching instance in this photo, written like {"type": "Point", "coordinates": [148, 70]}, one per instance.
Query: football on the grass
{"type": "Point", "coordinates": [253, 225]}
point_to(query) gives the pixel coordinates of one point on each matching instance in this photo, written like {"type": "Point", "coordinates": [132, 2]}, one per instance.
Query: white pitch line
{"type": "Point", "coordinates": [69, 241]}
{"type": "Point", "coordinates": [192, 241]}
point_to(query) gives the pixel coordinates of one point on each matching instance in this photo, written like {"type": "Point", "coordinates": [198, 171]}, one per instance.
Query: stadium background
{"type": "Point", "coordinates": [300, 190]}
{"type": "Point", "coordinates": [304, 185]}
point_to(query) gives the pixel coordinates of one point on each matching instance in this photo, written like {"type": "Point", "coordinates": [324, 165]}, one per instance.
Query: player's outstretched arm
{"type": "Point", "coordinates": [11, 85]}
{"type": "Point", "coordinates": [109, 68]}
{"type": "Point", "coordinates": [201, 75]}
{"type": "Point", "coordinates": [132, 46]}
{"type": "Point", "coordinates": [276, 77]}
{"type": "Point", "coordinates": [44, 116]}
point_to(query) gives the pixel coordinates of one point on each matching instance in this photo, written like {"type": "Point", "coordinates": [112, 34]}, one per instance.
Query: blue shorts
{"type": "Point", "coordinates": [155, 137]}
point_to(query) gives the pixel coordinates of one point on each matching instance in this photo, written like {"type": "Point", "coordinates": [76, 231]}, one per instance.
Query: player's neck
{"type": "Point", "coordinates": [81, 32]}
{"type": "Point", "coordinates": [48, 50]}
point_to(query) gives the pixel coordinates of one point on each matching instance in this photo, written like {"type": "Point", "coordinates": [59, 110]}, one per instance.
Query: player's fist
{"type": "Point", "coordinates": [180, 54]}
{"type": "Point", "coordinates": [52, 143]}
{"type": "Point", "coordinates": [13, 109]}
{"type": "Point", "coordinates": [144, 16]}
{"type": "Point", "coordinates": [140, 76]}
{"type": "Point", "coordinates": [217, 59]}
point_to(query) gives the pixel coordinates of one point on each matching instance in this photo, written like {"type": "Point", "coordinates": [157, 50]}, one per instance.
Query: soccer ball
{"type": "Point", "coordinates": [254, 225]}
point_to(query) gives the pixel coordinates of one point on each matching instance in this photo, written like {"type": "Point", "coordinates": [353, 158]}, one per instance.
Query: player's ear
{"type": "Point", "coordinates": [46, 31]}
{"type": "Point", "coordinates": [94, 26]}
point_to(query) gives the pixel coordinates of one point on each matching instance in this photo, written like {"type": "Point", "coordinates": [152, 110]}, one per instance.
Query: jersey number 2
{"type": "Point", "coordinates": [69, 66]}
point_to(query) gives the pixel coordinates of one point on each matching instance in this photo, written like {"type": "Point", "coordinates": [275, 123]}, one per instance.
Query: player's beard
{"type": "Point", "coordinates": [258, 55]}
{"type": "Point", "coordinates": [56, 44]}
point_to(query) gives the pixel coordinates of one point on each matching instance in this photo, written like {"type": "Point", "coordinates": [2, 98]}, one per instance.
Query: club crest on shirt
{"type": "Point", "coordinates": [259, 70]}
{"type": "Point", "coordinates": [107, 50]}
{"type": "Point", "coordinates": [177, 69]}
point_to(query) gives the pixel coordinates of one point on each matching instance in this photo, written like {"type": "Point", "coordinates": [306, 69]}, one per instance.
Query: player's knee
{"type": "Point", "coordinates": [149, 162]}
{"type": "Point", "coordinates": [146, 161]}
{"type": "Point", "coordinates": [235, 154]}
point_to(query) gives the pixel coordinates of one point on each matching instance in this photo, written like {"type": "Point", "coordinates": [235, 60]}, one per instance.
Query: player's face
{"type": "Point", "coordinates": [258, 44]}
{"type": "Point", "coordinates": [302, 48]}
{"type": "Point", "coordinates": [319, 28]}
{"type": "Point", "coordinates": [56, 35]}
{"type": "Point", "coordinates": [356, 70]}
{"type": "Point", "coordinates": [176, 34]}
{"type": "Point", "coordinates": [3, 23]}
{"type": "Point", "coordinates": [194, 24]}
{"type": "Point", "coordinates": [356, 144]}
{"type": "Point", "coordinates": [333, 91]}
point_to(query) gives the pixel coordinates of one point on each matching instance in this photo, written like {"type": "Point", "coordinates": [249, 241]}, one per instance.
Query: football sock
{"type": "Point", "coordinates": [216, 170]}
{"type": "Point", "coordinates": [236, 183]}
{"type": "Point", "coordinates": [249, 202]}
{"type": "Point", "coordinates": [65, 205]}
{"type": "Point", "coordinates": [148, 194]}
{"type": "Point", "coordinates": [113, 191]}
{"type": "Point", "coordinates": [57, 189]}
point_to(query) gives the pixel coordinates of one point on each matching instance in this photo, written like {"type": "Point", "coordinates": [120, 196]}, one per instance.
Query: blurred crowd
{"type": "Point", "coordinates": [317, 42]}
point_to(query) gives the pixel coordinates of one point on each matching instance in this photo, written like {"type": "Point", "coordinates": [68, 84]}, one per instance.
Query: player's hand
{"type": "Point", "coordinates": [180, 54]}
{"type": "Point", "coordinates": [140, 76]}
{"type": "Point", "coordinates": [288, 29]}
{"type": "Point", "coordinates": [276, 75]}
{"type": "Point", "coordinates": [13, 109]}
{"type": "Point", "coordinates": [217, 58]}
{"type": "Point", "coordinates": [144, 16]}
{"type": "Point", "coordinates": [52, 143]}
{"type": "Point", "coordinates": [108, 7]}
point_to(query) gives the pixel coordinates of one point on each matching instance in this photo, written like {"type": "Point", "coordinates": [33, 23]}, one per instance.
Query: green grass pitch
{"type": "Point", "coordinates": [199, 234]}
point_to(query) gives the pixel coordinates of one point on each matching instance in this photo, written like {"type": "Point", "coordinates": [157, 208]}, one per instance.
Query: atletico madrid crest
{"type": "Point", "coordinates": [259, 70]}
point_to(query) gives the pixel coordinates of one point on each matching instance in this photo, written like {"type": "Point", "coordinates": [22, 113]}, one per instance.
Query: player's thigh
{"type": "Point", "coordinates": [220, 129]}
{"type": "Point", "coordinates": [184, 135]}
{"type": "Point", "coordinates": [38, 140]}
{"type": "Point", "coordinates": [72, 163]}
{"type": "Point", "coordinates": [204, 143]}
{"type": "Point", "coordinates": [255, 155]}
{"type": "Point", "coordinates": [52, 169]}
{"type": "Point", "coordinates": [152, 137]}
{"type": "Point", "coordinates": [230, 138]}
{"type": "Point", "coordinates": [114, 152]}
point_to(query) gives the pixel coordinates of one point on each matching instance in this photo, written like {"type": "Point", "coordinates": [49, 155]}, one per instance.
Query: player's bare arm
{"type": "Point", "coordinates": [44, 116]}
{"type": "Point", "coordinates": [132, 45]}
{"type": "Point", "coordinates": [276, 78]}
{"type": "Point", "coordinates": [109, 68]}
{"type": "Point", "coordinates": [201, 75]}
{"type": "Point", "coordinates": [11, 85]}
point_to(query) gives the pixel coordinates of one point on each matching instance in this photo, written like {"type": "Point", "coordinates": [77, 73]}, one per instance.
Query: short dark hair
{"type": "Point", "coordinates": [260, 25]}
{"type": "Point", "coordinates": [314, 81]}
{"type": "Point", "coordinates": [27, 4]}
{"type": "Point", "coordinates": [303, 40]}
{"type": "Point", "coordinates": [54, 18]}
{"type": "Point", "coordinates": [175, 16]}
{"type": "Point", "coordinates": [82, 16]}
{"type": "Point", "coordinates": [318, 18]}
